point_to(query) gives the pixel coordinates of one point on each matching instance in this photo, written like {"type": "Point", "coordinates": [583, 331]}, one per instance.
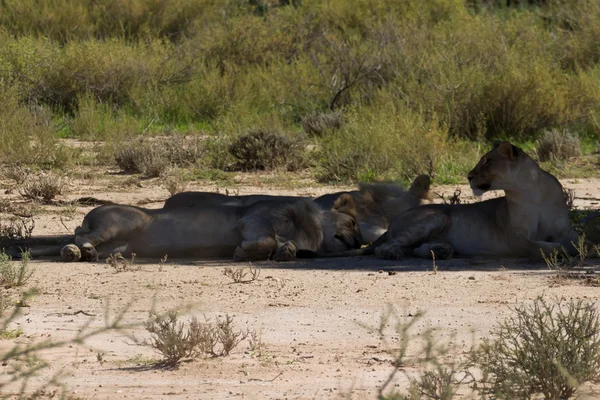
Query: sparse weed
{"type": "Point", "coordinates": [438, 379]}
{"type": "Point", "coordinates": [454, 199]}
{"type": "Point", "coordinates": [174, 183]}
{"type": "Point", "coordinates": [569, 197]}
{"type": "Point", "coordinates": [43, 187]}
{"type": "Point", "coordinates": [546, 347]}
{"type": "Point", "coordinates": [176, 341]}
{"type": "Point", "coordinates": [120, 263]}
{"type": "Point", "coordinates": [572, 267]}
{"type": "Point", "coordinates": [17, 228]}
{"type": "Point", "coordinates": [15, 273]}
{"type": "Point", "coordinates": [242, 274]}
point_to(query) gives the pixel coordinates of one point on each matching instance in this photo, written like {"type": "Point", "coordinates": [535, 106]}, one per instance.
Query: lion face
{"type": "Point", "coordinates": [341, 232]}
{"type": "Point", "coordinates": [340, 228]}
{"type": "Point", "coordinates": [494, 170]}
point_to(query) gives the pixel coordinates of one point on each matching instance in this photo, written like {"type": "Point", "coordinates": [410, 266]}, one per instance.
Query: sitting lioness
{"type": "Point", "coordinates": [265, 229]}
{"type": "Point", "coordinates": [531, 218]}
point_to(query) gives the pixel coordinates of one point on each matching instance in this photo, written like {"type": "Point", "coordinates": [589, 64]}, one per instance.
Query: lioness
{"type": "Point", "coordinates": [259, 231]}
{"type": "Point", "coordinates": [532, 216]}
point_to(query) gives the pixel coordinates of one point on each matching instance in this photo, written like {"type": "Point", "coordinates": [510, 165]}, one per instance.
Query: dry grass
{"type": "Point", "coordinates": [555, 144]}
{"type": "Point", "coordinates": [242, 274]}
{"type": "Point", "coordinates": [152, 158]}
{"type": "Point", "coordinates": [120, 263]}
{"type": "Point", "coordinates": [262, 149]}
{"type": "Point", "coordinates": [43, 187]}
{"type": "Point", "coordinates": [320, 123]}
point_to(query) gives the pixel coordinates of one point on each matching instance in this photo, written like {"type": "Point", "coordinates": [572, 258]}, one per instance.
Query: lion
{"type": "Point", "coordinates": [209, 199]}
{"type": "Point", "coordinates": [265, 229]}
{"type": "Point", "coordinates": [378, 203]}
{"type": "Point", "coordinates": [375, 203]}
{"type": "Point", "coordinates": [530, 220]}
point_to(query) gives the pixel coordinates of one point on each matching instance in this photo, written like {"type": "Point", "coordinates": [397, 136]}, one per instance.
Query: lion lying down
{"type": "Point", "coordinates": [531, 218]}
{"type": "Point", "coordinates": [375, 203]}
{"type": "Point", "coordinates": [265, 229]}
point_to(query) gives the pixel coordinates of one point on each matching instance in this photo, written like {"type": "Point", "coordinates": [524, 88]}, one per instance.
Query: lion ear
{"type": "Point", "coordinates": [496, 144]}
{"type": "Point", "coordinates": [345, 204]}
{"type": "Point", "coordinates": [420, 186]}
{"type": "Point", "coordinates": [507, 150]}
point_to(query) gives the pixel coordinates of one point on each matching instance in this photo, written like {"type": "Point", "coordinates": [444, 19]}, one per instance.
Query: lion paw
{"type": "Point", "coordinates": [443, 251]}
{"type": "Point", "coordinates": [70, 253]}
{"type": "Point", "coordinates": [88, 253]}
{"type": "Point", "coordinates": [389, 251]}
{"type": "Point", "coordinates": [239, 254]}
{"type": "Point", "coordinates": [286, 251]}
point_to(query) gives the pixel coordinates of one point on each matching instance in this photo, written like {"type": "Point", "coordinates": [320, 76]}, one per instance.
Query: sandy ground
{"type": "Point", "coordinates": [316, 321]}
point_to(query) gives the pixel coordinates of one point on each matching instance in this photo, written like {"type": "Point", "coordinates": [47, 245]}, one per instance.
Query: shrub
{"type": "Point", "coordinates": [153, 157]}
{"type": "Point", "coordinates": [43, 187]}
{"type": "Point", "coordinates": [176, 341]}
{"type": "Point", "coordinates": [26, 134]}
{"type": "Point", "coordinates": [319, 123]}
{"type": "Point", "coordinates": [547, 348]}
{"type": "Point", "coordinates": [555, 144]}
{"type": "Point", "coordinates": [387, 141]}
{"type": "Point", "coordinates": [262, 149]}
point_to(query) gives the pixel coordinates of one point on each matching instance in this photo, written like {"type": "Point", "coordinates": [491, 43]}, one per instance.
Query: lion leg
{"type": "Point", "coordinates": [258, 239]}
{"type": "Point", "coordinates": [107, 224]}
{"type": "Point", "coordinates": [412, 229]}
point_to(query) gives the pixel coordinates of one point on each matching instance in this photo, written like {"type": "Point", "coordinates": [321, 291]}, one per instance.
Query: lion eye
{"type": "Point", "coordinates": [487, 162]}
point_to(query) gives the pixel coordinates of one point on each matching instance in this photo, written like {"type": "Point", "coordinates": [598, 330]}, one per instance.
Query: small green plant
{"type": "Point", "coordinates": [555, 144]}
{"type": "Point", "coordinates": [9, 334]}
{"type": "Point", "coordinates": [176, 341]}
{"type": "Point", "coordinates": [262, 149]}
{"type": "Point", "coordinates": [546, 347]}
{"type": "Point", "coordinates": [13, 273]}
{"type": "Point", "coordinates": [242, 274]}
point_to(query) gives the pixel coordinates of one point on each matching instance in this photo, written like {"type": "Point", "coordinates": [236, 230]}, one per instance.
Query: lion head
{"type": "Point", "coordinates": [340, 228]}
{"type": "Point", "coordinates": [498, 169]}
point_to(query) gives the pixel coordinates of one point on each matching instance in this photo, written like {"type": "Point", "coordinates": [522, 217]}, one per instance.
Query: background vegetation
{"type": "Point", "coordinates": [372, 89]}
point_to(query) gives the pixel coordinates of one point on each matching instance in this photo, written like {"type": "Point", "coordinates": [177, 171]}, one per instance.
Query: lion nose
{"type": "Point", "coordinates": [470, 176]}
